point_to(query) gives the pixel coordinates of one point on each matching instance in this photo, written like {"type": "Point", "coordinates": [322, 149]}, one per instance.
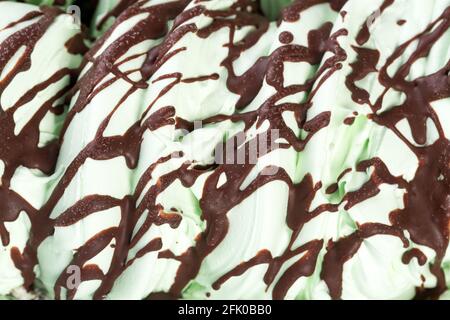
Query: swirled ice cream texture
{"type": "Point", "coordinates": [40, 53]}
{"type": "Point", "coordinates": [351, 203]}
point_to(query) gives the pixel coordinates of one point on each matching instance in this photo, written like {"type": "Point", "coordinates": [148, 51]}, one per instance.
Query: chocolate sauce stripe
{"type": "Point", "coordinates": [23, 149]}
{"type": "Point", "coordinates": [29, 16]}
{"type": "Point", "coordinates": [82, 161]}
{"type": "Point", "coordinates": [424, 215]}
{"type": "Point", "coordinates": [203, 241]}
{"type": "Point", "coordinates": [178, 286]}
{"type": "Point", "coordinates": [217, 202]}
{"type": "Point", "coordinates": [78, 162]}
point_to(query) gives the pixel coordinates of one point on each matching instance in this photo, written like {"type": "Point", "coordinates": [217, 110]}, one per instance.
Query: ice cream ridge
{"type": "Point", "coordinates": [226, 149]}
{"type": "Point", "coordinates": [41, 50]}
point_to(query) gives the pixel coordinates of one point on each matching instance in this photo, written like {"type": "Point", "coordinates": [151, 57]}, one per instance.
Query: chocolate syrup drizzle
{"type": "Point", "coordinates": [426, 212]}
{"type": "Point", "coordinates": [23, 149]}
{"type": "Point", "coordinates": [216, 202]}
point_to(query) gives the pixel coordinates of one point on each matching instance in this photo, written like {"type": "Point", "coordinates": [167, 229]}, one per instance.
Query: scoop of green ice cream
{"type": "Point", "coordinates": [171, 197]}
{"type": "Point", "coordinates": [378, 160]}
{"type": "Point", "coordinates": [40, 53]}
{"type": "Point", "coordinates": [210, 152]}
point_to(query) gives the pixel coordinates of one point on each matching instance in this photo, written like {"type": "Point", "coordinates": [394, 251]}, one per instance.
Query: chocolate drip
{"type": "Point", "coordinates": [292, 13]}
{"type": "Point", "coordinates": [248, 84]}
{"type": "Point", "coordinates": [22, 148]}
{"type": "Point", "coordinates": [348, 121]}
{"type": "Point", "coordinates": [262, 257]}
{"type": "Point", "coordinates": [304, 267]}
{"type": "Point", "coordinates": [154, 28]}
{"type": "Point", "coordinates": [286, 37]}
{"type": "Point", "coordinates": [364, 34]}
{"type": "Point", "coordinates": [344, 249]}
{"type": "Point", "coordinates": [217, 202]}
{"type": "Point", "coordinates": [365, 63]}
{"type": "Point", "coordinates": [414, 253]}
{"type": "Point", "coordinates": [76, 45]}
{"type": "Point", "coordinates": [426, 213]}
{"type": "Point", "coordinates": [101, 148]}
{"type": "Point", "coordinates": [128, 145]}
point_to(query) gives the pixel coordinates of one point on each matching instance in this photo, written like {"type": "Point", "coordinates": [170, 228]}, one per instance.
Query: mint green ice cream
{"type": "Point", "coordinates": [40, 53]}
{"type": "Point", "coordinates": [239, 149]}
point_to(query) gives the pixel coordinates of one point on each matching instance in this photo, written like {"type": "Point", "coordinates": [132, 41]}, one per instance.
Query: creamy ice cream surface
{"type": "Point", "coordinates": [227, 149]}
{"type": "Point", "coordinates": [41, 50]}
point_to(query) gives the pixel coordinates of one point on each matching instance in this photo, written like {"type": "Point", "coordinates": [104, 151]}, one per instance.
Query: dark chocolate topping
{"type": "Point", "coordinates": [216, 201]}
{"type": "Point", "coordinates": [426, 211]}
{"type": "Point", "coordinates": [23, 149]}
